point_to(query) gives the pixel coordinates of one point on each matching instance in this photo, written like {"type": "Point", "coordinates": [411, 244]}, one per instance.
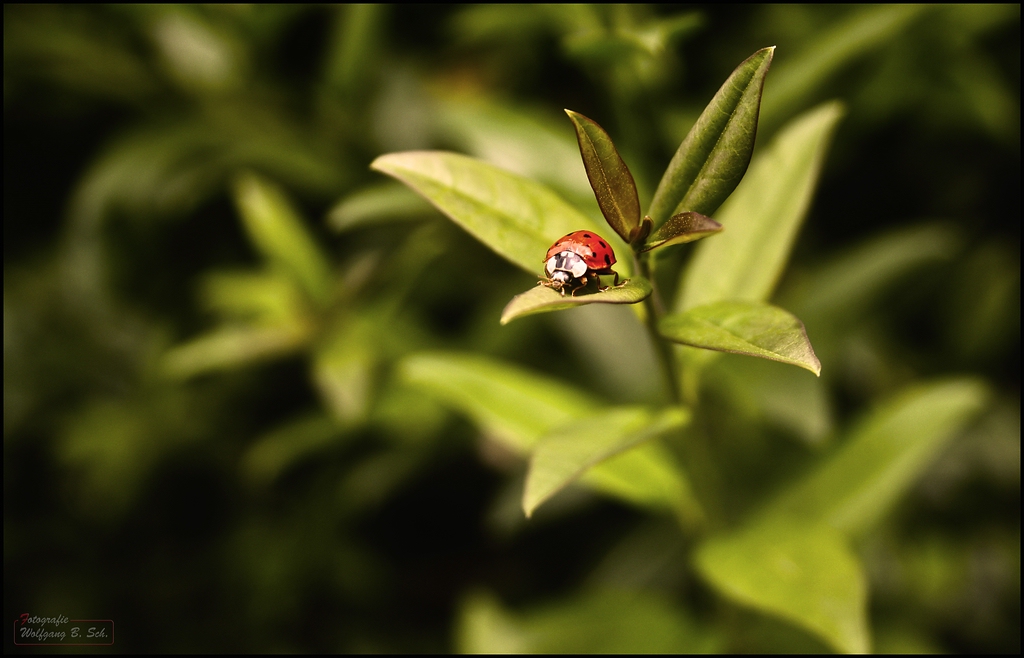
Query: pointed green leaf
{"type": "Point", "coordinates": [510, 404]}
{"type": "Point", "coordinates": [569, 451]}
{"type": "Point", "coordinates": [804, 573]}
{"type": "Point", "coordinates": [516, 217]}
{"type": "Point", "coordinates": [743, 328]}
{"type": "Point", "coordinates": [763, 216]}
{"type": "Point", "coordinates": [541, 299]}
{"type": "Point", "coordinates": [681, 228]}
{"type": "Point", "coordinates": [883, 456]}
{"type": "Point", "coordinates": [277, 230]}
{"type": "Point", "coordinates": [609, 176]}
{"type": "Point", "coordinates": [714, 155]}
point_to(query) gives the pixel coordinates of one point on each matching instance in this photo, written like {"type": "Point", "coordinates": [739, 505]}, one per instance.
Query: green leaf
{"type": "Point", "coordinates": [841, 290]}
{"type": "Point", "coordinates": [569, 451]}
{"type": "Point", "coordinates": [773, 393]}
{"type": "Point", "coordinates": [681, 228]}
{"type": "Point", "coordinates": [804, 573]}
{"type": "Point", "coordinates": [526, 141]}
{"type": "Point", "coordinates": [797, 79]}
{"type": "Point", "coordinates": [231, 347]}
{"type": "Point", "coordinates": [884, 456]}
{"type": "Point", "coordinates": [743, 328]}
{"type": "Point", "coordinates": [261, 298]}
{"type": "Point", "coordinates": [714, 155]}
{"type": "Point", "coordinates": [609, 176]}
{"type": "Point", "coordinates": [516, 217]}
{"type": "Point", "coordinates": [763, 217]}
{"type": "Point", "coordinates": [541, 299]}
{"type": "Point", "coordinates": [277, 231]}
{"type": "Point", "coordinates": [839, 295]}
{"type": "Point", "coordinates": [596, 621]}
{"type": "Point", "coordinates": [354, 40]}
{"type": "Point", "coordinates": [343, 369]}
{"type": "Point", "coordinates": [648, 476]}
{"type": "Point", "coordinates": [282, 447]}
{"type": "Point", "coordinates": [379, 203]}
{"type": "Point", "coordinates": [510, 404]}
{"type": "Point", "coordinates": [518, 408]}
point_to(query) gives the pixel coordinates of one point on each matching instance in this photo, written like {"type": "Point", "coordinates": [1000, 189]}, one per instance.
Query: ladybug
{"type": "Point", "coordinates": [577, 259]}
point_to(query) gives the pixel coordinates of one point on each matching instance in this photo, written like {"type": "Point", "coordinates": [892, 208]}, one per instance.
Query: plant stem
{"type": "Point", "coordinates": [655, 308]}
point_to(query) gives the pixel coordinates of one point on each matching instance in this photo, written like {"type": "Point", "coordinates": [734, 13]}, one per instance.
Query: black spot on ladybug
{"type": "Point", "coordinates": [603, 245]}
{"type": "Point", "coordinates": [607, 261]}
{"type": "Point", "coordinates": [586, 235]}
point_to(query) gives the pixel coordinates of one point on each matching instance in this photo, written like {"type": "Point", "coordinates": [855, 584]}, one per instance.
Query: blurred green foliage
{"type": "Point", "coordinates": [256, 398]}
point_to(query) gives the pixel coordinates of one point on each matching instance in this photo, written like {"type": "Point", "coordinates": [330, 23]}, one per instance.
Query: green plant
{"type": "Point", "coordinates": [789, 557]}
{"type": "Point", "coordinates": [256, 398]}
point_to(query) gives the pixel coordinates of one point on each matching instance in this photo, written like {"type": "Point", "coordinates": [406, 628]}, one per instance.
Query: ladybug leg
{"type": "Point", "coordinates": [583, 284]}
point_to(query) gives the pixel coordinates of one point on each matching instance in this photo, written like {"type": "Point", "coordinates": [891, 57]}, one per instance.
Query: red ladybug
{"type": "Point", "coordinates": [577, 259]}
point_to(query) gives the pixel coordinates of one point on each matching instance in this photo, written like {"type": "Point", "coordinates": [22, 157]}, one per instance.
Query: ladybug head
{"type": "Point", "coordinates": [564, 267]}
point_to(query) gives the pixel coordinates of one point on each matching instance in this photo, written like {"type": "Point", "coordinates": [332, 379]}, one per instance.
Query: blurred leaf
{"type": "Point", "coordinates": [111, 446]}
{"type": "Point", "coordinates": [516, 138]}
{"type": "Point", "coordinates": [569, 451]}
{"type": "Point", "coordinates": [168, 170]}
{"type": "Point", "coordinates": [516, 217]}
{"type": "Point", "coordinates": [609, 176]}
{"type": "Point", "coordinates": [354, 39]}
{"type": "Point", "coordinates": [343, 370]}
{"type": "Point", "coordinates": [615, 350]}
{"type": "Point", "coordinates": [262, 298]}
{"type": "Point", "coordinates": [198, 55]}
{"type": "Point", "coordinates": [603, 621]}
{"type": "Point", "coordinates": [518, 408]}
{"type": "Point", "coordinates": [743, 328]}
{"type": "Point", "coordinates": [763, 217]}
{"type": "Point", "coordinates": [802, 572]}
{"type": "Point", "coordinates": [405, 415]}
{"type": "Point", "coordinates": [837, 297]}
{"type": "Point", "coordinates": [541, 299]}
{"type": "Point", "coordinates": [713, 158]}
{"type": "Point", "coordinates": [682, 228]}
{"type": "Point", "coordinates": [276, 451]}
{"type": "Point", "coordinates": [375, 204]}
{"type": "Point", "coordinates": [276, 229]}
{"type": "Point", "coordinates": [799, 78]}
{"type": "Point", "coordinates": [510, 404]}
{"type": "Point", "coordinates": [839, 290]}
{"type": "Point", "coordinates": [984, 302]}
{"type": "Point", "coordinates": [883, 456]}
{"type": "Point", "coordinates": [78, 50]}
{"type": "Point", "coordinates": [491, 24]}
{"type": "Point", "coordinates": [229, 347]}
{"type": "Point", "coordinates": [648, 476]}
{"type": "Point", "coordinates": [776, 394]}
